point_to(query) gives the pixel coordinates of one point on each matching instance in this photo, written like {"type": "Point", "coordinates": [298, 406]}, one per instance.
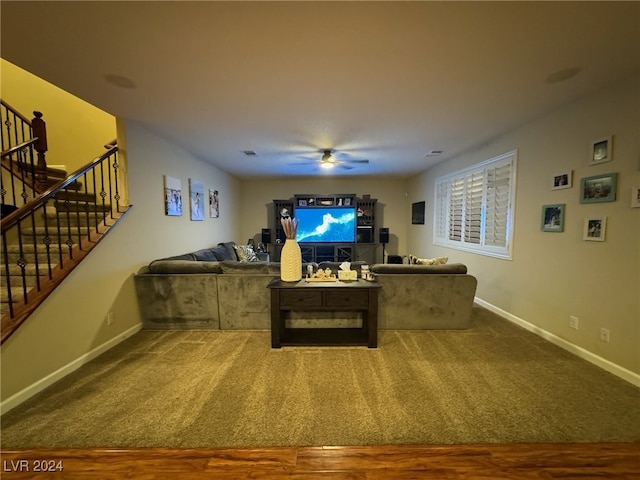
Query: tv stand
{"type": "Point", "coordinates": [323, 252]}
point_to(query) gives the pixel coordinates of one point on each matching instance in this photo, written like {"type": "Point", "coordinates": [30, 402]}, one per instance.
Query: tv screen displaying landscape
{"type": "Point", "coordinates": [326, 224]}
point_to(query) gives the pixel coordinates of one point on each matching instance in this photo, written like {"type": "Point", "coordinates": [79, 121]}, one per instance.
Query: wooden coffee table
{"type": "Point", "coordinates": [337, 296]}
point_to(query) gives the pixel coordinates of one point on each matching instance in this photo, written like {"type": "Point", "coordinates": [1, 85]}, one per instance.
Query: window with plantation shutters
{"type": "Point", "coordinates": [474, 207]}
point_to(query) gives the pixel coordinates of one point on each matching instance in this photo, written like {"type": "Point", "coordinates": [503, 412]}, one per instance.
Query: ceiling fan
{"type": "Point", "coordinates": [330, 160]}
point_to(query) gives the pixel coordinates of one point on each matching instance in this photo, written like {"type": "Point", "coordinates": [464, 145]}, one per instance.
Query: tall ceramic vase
{"type": "Point", "coordinates": [290, 261]}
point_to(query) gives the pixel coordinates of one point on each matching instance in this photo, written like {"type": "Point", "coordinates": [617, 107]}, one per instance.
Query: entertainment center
{"type": "Point", "coordinates": [333, 228]}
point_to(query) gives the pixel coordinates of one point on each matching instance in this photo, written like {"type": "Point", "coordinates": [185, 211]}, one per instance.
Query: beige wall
{"type": "Point", "coordinates": [71, 322]}
{"type": "Point", "coordinates": [555, 275]}
{"type": "Point", "coordinates": [392, 210]}
{"type": "Point", "coordinates": [66, 117]}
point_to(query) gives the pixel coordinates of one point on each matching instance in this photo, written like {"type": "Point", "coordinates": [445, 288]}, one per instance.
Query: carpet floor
{"type": "Point", "coordinates": [493, 383]}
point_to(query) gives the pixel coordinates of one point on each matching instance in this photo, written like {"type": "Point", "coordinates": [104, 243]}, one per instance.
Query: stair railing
{"type": "Point", "coordinates": [17, 182]}
{"type": "Point", "coordinates": [48, 236]}
{"type": "Point", "coordinates": [16, 131]}
{"type": "Point", "coordinates": [16, 127]}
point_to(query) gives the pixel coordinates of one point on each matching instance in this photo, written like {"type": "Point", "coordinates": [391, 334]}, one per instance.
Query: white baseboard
{"type": "Point", "coordinates": [50, 379]}
{"type": "Point", "coordinates": [603, 363]}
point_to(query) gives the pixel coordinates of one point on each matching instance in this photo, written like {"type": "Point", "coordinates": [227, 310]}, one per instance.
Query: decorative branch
{"type": "Point", "coordinates": [290, 226]}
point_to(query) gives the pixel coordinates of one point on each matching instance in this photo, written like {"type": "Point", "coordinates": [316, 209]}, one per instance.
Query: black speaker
{"type": "Point", "coordinates": [384, 235]}
{"type": "Point", "coordinates": [266, 236]}
{"type": "Point", "coordinates": [397, 259]}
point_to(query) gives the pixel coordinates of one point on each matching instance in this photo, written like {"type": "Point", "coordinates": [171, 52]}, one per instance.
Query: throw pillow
{"type": "Point", "coordinates": [428, 261]}
{"type": "Point", "coordinates": [230, 249]}
{"type": "Point", "coordinates": [222, 253]}
{"type": "Point", "coordinates": [245, 253]}
{"type": "Point", "coordinates": [205, 255]}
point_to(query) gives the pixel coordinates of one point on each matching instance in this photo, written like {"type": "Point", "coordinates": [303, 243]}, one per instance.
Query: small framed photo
{"type": "Point", "coordinates": [562, 180]}
{"type": "Point", "coordinates": [598, 188]}
{"type": "Point", "coordinates": [635, 197]}
{"type": "Point", "coordinates": [302, 202]}
{"type": "Point", "coordinates": [347, 201]}
{"type": "Point", "coordinates": [553, 218]}
{"type": "Point", "coordinates": [601, 150]}
{"type": "Point", "coordinates": [594, 229]}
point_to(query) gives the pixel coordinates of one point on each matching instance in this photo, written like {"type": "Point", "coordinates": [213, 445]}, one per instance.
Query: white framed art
{"type": "Point", "coordinates": [601, 150]}
{"type": "Point", "coordinates": [172, 196]}
{"type": "Point", "coordinates": [562, 180]}
{"type": "Point", "coordinates": [595, 229]}
{"type": "Point", "coordinates": [196, 194]}
{"type": "Point", "coordinates": [214, 203]}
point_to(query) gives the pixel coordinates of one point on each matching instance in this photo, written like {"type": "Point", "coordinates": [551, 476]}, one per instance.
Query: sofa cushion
{"type": "Point", "coordinates": [273, 268]}
{"type": "Point", "coordinates": [184, 256]}
{"type": "Point", "coordinates": [230, 266]}
{"type": "Point", "coordinates": [184, 266]}
{"type": "Point", "coordinates": [225, 251]}
{"type": "Point", "coordinates": [451, 268]}
{"type": "Point", "coordinates": [245, 253]}
{"type": "Point", "coordinates": [205, 255]}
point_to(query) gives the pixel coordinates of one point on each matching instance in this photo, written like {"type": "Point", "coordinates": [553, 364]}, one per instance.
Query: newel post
{"type": "Point", "coordinates": [39, 127]}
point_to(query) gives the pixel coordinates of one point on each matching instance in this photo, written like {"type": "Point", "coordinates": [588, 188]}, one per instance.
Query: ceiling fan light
{"type": "Point", "coordinates": [327, 156]}
{"type": "Point", "coordinates": [327, 164]}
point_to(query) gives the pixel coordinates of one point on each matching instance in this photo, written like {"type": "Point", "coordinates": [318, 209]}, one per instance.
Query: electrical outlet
{"type": "Point", "coordinates": [110, 319]}
{"type": "Point", "coordinates": [604, 334]}
{"type": "Point", "coordinates": [573, 322]}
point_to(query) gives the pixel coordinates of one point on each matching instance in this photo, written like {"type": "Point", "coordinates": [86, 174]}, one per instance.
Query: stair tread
{"type": "Point", "coordinates": [29, 248]}
{"type": "Point", "coordinates": [72, 206]}
{"type": "Point", "coordinates": [73, 194]}
{"type": "Point", "coordinates": [17, 293]}
{"type": "Point", "coordinates": [52, 213]}
{"type": "Point", "coordinates": [52, 233]}
{"type": "Point", "coordinates": [29, 269]}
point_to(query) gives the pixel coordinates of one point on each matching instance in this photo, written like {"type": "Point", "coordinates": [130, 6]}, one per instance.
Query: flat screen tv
{"type": "Point", "coordinates": [326, 224]}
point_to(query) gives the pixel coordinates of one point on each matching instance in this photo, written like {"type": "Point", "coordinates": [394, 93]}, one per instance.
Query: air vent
{"type": "Point", "coordinates": [250, 153]}
{"type": "Point", "coordinates": [433, 153]}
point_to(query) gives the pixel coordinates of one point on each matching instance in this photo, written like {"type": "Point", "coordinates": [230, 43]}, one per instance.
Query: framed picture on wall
{"type": "Point", "coordinates": [417, 213]}
{"type": "Point", "coordinates": [196, 193]}
{"type": "Point", "coordinates": [172, 196]}
{"type": "Point", "coordinates": [601, 150]}
{"type": "Point", "coordinates": [594, 229]}
{"type": "Point", "coordinates": [598, 188]}
{"type": "Point", "coordinates": [562, 180]}
{"type": "Point", "coordinates": [553, 218]}
{"type": "Point", "coordinates": [214, 204]}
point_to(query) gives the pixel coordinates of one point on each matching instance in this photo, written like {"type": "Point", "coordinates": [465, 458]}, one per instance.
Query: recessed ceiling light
{"type": "Point", "coordinates": [119, 81]}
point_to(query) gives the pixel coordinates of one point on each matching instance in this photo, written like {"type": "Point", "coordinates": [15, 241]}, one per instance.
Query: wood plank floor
{"type": "Point", "coordinates": [619, 461]}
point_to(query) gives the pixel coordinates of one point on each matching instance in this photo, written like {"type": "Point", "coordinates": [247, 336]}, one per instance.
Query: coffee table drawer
{"type": "Point", "coordinates": [347, 298]}
{"type": "Point", "coordinates": [300, 298]}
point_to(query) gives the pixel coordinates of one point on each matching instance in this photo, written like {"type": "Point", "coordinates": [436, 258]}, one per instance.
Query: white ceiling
{"type": "Point", "coordinates": [383, 81]}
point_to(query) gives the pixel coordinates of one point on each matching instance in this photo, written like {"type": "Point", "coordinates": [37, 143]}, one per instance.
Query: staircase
{"type": "Point", "coordinates": [59, 219]}
{"type": "Point", "coordinates": [60, 226]}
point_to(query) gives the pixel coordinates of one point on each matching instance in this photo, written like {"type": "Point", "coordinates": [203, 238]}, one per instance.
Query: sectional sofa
{"type": "Point", "coordinates": [196, 291]}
